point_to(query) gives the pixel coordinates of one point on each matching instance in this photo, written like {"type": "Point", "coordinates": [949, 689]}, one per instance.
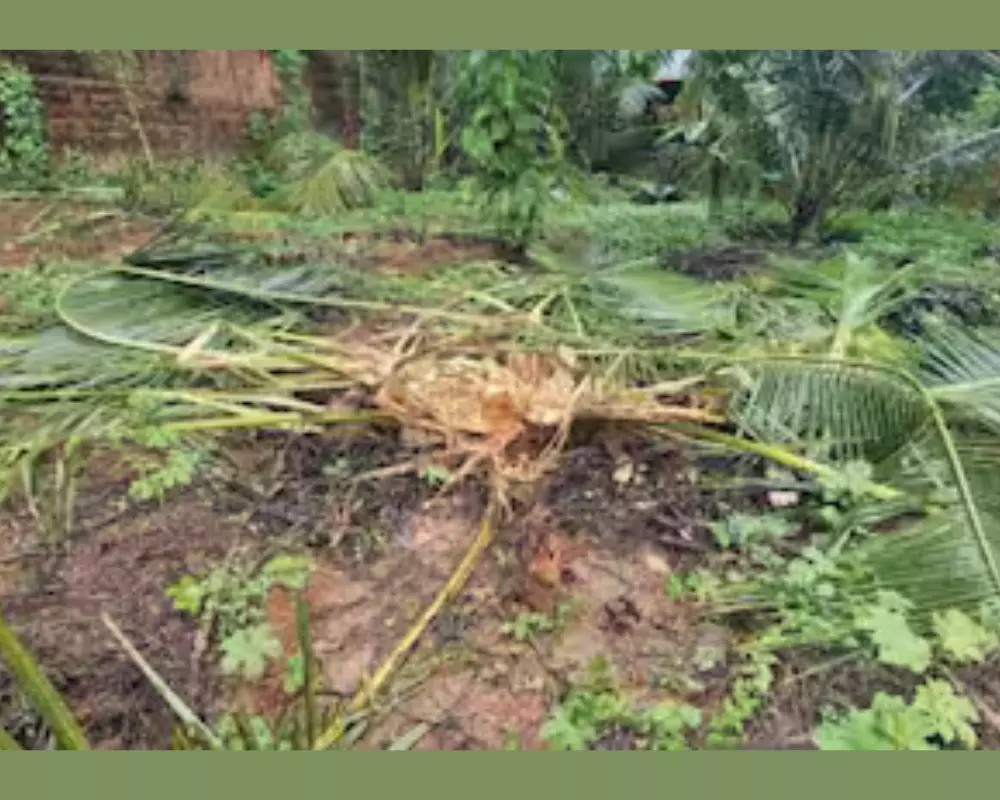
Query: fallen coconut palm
{"type": "Point", "coordinates": [498, 388]}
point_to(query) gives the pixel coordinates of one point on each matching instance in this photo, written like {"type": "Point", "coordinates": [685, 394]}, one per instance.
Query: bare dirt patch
{"type": "Point", "coordinates": [391, 251]}
{"type": "Point", "coordinates": [382, 554]}
{"type": "Point", "coordinates": [34, 232]}
{"type": "Point", "coordinates": [123, 570]}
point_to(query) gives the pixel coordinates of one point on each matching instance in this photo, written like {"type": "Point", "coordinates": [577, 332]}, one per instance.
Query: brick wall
{"type": "Point", "coordinates": [188, 102]}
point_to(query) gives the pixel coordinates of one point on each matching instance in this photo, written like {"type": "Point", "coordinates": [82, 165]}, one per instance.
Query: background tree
{"type": "Point", "coordinates": [823, 128]}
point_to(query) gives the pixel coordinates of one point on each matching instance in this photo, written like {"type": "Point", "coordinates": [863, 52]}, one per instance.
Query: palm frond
{"type": "Point", "coordinates": [668, 301]}
{"type": "Point", "coordinates": [936, 564]}
{"type": "Point", "coordinates": [141, 314]}
{"type": "Point", "coordinates": [844, 411]}
{"type": "Point", "coordinates": [324, 178]}
{"type": "Point", "coordinates": [962, 371]}
{"type": "Point", "coordinates": [31, 679]}
{"type": "Point", "coordinates": [57, 357]}
{"type": "Point", "coordinates": [854, 292]}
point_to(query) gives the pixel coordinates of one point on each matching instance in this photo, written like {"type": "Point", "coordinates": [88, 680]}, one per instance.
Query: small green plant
{"type": "Point", "coordinates": [24, 151]}
{"type": "Point", "coordinates": [528, 625]}
{"type": "Point", "coordinates": [29, 296]}
{"type": "Point", "coordinates": [253, 732]}
{"type": "Point", "coordinates": [700, 586]}
{"type": "Point", "coordinates": [740, 531]}
{"type": "Point", "coordinates": [961, 639]}
{"type": "Point", "coordinates": [811, 600]}
{"type": "Point", "coordinates": [175, 464]}
{"type": "Point", "coordinates": [289, 65]}
{"type": "Point", "coordinates": [261, 134]}
{"type": "Point", "coordinates": [954, 637]}
{"type": "Point", "coordinates": [247, 651]}
{"type": "Point", "coordinates": [436, 476]}
{"type": "Point", "coordinates": [843, 492]}
{"type": "Point", "coordinates": [231, 598]}
{"type": "Point", "coordinates": [886, 625]}
{"type": "Point", "coordinates": [75, 168]}
{"type": "Point", "coordinates": [597, 710]}
{"type": "Point", "coordinates": [196, 187]}
{"type": "Point", "coordinates": [753, 679]}
{"type": "Point", "coordinates": [264, 129]}
{"type": "Point", "coordinates": [828, 599]}
{"type": "Point", "coordinates": [936, 715]}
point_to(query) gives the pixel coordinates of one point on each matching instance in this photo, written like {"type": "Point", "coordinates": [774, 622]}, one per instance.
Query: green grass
{"type": "Point", "coordinates": [28, 295]}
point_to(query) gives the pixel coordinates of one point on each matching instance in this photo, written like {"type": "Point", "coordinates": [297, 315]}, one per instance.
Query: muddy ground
{"type": "Point", "coordinates": [35, 232]}
{"type": "Point", "coordinates": [601, 538]}
{"type": "Point", "coordinates": [382, 556]}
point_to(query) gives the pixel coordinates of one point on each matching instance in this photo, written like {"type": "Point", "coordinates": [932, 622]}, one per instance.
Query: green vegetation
{"type": "Point", "coordinates": [596, 712]}
{"type": "Point", "coordinates": [24, 155]}
{"type": "Point", "coordinates": [231, 601]}
{"type": "Point", "coordinates": [511, 139]}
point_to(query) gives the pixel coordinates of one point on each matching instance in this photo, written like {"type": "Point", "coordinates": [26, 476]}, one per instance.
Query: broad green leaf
{"type": "Point", "coordinates": [247, 652]}
{"type": "Point", "coordinates": [962, 638]}
{"type": "Point", "coordinates": [890, 724]}
{"type": "Point", "coordinates": [564, 733]}
{"type": "Point", "coordinates": [949, 714]}
{"type": "Point", "coordinates": [855, 731]}
{"type": "Point", "coordinates": [188, 595]}
{"type": "Point", "coordinates": [894, 639]}
{"type": "Point", "coordinates": [673, 718]}
{"type": "Point", "coordinates": [288, 570]}
{"type": "Point", "coordinates": [904, 726]}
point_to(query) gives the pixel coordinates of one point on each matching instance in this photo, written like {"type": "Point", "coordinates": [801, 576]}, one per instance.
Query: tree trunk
{"type": "Point", "coordinates": [804, 215]}
{"type": "Point", "coordinates": [716, 188]}
{"type": "Point", "coordinates": [351, 88]}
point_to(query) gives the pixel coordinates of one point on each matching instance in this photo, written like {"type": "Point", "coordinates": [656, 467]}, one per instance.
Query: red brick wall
{"type": "Point", "coordinates": [189, 102]}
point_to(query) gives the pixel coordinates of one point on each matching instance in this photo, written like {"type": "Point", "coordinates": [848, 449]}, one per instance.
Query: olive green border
{"type": "Point", "coordinates": [449, 24]}
{"type": "Point", "coordinates": [580, 776]}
